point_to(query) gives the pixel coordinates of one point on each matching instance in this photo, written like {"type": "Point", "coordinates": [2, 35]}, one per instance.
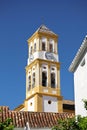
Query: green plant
{"type": "Point", "coordinates": [7, 124]}
{"type": "Point", "coordinates": [67, 124]}
{"type": "Point", "coordinates": [85, 103]}
{"type": "Point", "coordinates": [76, 123]}
{"type": "Point", "coordinates": [82, 123]}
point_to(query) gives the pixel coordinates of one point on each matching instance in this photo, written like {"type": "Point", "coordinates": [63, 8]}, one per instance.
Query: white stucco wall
{"type": "Point", "coordinates": [80, 87]}
{"type": "Point", "coordinates": [41, 55]}
{"type": "Point", "coordinates": [31, 104]}
{"type": "Point", "coordinates": [53, 107]}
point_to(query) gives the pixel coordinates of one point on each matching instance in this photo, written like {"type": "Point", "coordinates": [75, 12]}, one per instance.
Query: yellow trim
{"type": "Point", "coordinates": [42, 34]}
{"type": "Point", "coordinates": [38, 97]}
{"type": "Point", "coordinates": [19, 107]}
{"type": "Point", "coordinates": [35, 35]}
{"type": "Point", "coordinates": [38, 103]}
{"type": "Point", "coordinates": [60, 104]}
{"type": "Point", "coordinates": [49, 83]}
{"type": "Point", "coordinates": [42, 88]}
{"type": "Point", "coordinates": [42, 61]}
{"type": "Point", "coordinates": [26, 105]}
{"type": "Point", "coordinates": [59, 97]}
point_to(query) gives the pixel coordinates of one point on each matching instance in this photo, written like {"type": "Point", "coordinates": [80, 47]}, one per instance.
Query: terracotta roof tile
{"type": "Point", "coordinates": [35, 119]}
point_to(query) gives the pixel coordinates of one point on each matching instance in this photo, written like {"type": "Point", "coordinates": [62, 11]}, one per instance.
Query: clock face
{"type": "Point", "coordinates": [50, 56]}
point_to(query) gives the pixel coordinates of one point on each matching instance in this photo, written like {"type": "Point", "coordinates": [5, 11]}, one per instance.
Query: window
{"type": "Point", "coordinates": [30, 103]}
{"type": "Point", "coordinates": [49, 102]}
{"type": "Point", "coordinates": [33, 84]}
{"type": "Point", "coordinates": [44, 79]}
{"type": "Point", "coordinates": [43, 46]}
{"type": "Point", "coordinates": [53, 68]}
{"type": "Point", "coordinates": [35, 47]}
{"type": "Point", "coordinates": [44, 67]}
{"type": "Point", "coordinates": [50, 47]}
{"type": "Point", "coordinates": [29, 87]}
{"type": "Point", "coordinates": [52, 80]}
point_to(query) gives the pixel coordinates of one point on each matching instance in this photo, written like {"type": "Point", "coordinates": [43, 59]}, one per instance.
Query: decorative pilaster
{"type": "Point", "coordinates": [26, 83]}
{"type": "Point", "coordinates": [31, 78]}
{"type": "Point", "coordinates": [58, 80]}
{"type": "Point", "coordinates": [38, 103]}
{"type": "Point", "coordinates": [47, 44]}
{"type": "Point", "coordinates": [40, 75]}
{"type": "Point", "coordinates": [48, 77]}
{"type": "Point", "coordinates": [60, 104]}
{"type": "Point", "coordinates": [37, 74]}
{"type": "Point", "coordinates": [40, 44]}
{"type": "Point", "coordinates": [56, 77]}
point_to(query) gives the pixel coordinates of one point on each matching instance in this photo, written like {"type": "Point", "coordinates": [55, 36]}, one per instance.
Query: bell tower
{"type": "Point", "coordinates": [43, 92]}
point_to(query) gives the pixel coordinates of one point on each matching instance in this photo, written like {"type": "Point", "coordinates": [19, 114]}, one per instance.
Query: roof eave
{"type": "Point", "coordinates": [79, 55]}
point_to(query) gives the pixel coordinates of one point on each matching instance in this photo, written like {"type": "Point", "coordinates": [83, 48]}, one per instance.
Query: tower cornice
{"type": "Point", "coordinates": [53, 95]}
{"type": "Point", "coordinates": [41, 61]}
{"type": "Point", "coordinates": [41, 34]}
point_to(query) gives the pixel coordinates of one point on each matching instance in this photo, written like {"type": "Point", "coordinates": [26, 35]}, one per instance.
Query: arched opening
{"type": "Point", "coordinates": [52, 80]}
{"type": "Point", "coordinates": [43, 46]}
{"type": "Point", "coordinates": [44, 79]}
{"type": "Point", "coordinates": [33, 81]}
{"type": "Point", "coordinates": [29, 81]}
{"type": "Point", "coordinates": [51, 47]}
{"type": "Point", "coordinates": [35, 47]}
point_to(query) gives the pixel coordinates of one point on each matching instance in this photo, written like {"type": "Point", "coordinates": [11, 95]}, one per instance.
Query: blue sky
{"type": "Point", "coordinates": [19, 19]}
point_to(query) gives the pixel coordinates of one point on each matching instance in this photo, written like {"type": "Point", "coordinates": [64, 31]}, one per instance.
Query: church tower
{"type": "Point", "coordinates": [43, 92]}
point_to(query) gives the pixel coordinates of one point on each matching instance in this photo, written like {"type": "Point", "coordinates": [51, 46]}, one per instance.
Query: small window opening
{"type": "Point", "coordinates": [44, 79]}
{"type": "Point", "coordinates": [43, 46]}
{"type": "Point", "coordinates": [35, 47]}
{"type": "Point", "coordinates": [53, 80]}
{"type": "Point", "coordinates": [53, 69]}
{"type": "Point", "coordinates": [49, 102]}
{"type": "Point", "coordinates": [31, 104]}
{"type": "Point", "coordinates": [33, 84]}
{"type": "Point", "coordinates": [44, 67]}
{"type": "Point", "coordinates": [29, 87]}
{"type": "Point", "coordinates": [50, 47]}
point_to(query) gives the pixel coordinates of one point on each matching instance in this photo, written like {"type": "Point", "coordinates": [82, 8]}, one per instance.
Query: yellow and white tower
{"type": "Point", "coordinates": [43, 73]}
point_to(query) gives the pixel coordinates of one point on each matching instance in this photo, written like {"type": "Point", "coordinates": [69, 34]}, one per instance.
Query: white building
{"type": "Point", "coordinates": [79, 68]}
